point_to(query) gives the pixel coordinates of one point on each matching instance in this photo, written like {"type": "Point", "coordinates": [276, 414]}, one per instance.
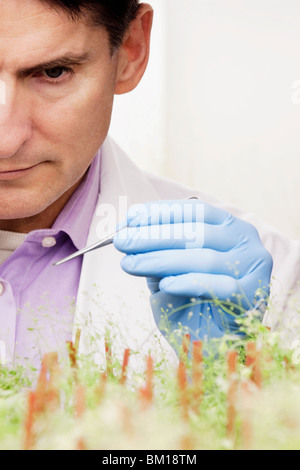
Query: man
{"type": "Point", "coordinates": [65, 185]}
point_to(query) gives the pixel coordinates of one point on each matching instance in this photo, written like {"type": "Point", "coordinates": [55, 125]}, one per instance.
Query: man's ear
{"type": "Point", "coordinates": [133, 54]}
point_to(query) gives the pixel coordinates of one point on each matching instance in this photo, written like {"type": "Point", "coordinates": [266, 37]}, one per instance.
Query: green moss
{"type": "Point", "coordinates": [115, 417]}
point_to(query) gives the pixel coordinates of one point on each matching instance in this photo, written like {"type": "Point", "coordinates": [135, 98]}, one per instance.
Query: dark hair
{"type": "Point", "coordinates": [114, 15]}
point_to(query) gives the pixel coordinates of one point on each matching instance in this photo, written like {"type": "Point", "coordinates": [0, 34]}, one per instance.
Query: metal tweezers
{"type": "Point", "coordinates": [104, 242]}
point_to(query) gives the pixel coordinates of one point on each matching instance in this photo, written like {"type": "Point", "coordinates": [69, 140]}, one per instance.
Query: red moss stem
{"type": "Point", "coordinates": [246, 428]}
{"type": "Point", "coordinates": [108, 355]}
{"type": "Point", "coordinates": [29, 439]}
{"type": "Point", "coordinates": [185, 346]}
{"type": "Point", "coordinates": [232, 392]}
{"type": "Point", "coordinates": [146, 393]}
{"type": "Point", "coordinates": [182, 388]}
{"type": "Point", "coordinates": [253, 361]}
{"type": "Point", "coordinates": [72, 354]}
{"type": "Point", "coordinates": [124, 366]}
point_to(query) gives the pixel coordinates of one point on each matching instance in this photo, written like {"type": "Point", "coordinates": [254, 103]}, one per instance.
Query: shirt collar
{"type": "Point", "coordinates": [76, 217]}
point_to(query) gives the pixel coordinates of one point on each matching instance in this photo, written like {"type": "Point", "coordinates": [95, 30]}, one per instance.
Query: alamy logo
{"type": "Point", "coordinates": [177, 220]}
{"type": "Point", "coordinates": [2, 92]}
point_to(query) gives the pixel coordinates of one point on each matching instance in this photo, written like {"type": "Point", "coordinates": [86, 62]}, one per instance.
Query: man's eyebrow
{"type": "Point", "coordinates": [64, 61]}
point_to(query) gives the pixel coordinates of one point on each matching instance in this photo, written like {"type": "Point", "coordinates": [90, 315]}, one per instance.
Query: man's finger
{"type": "Point", "coordinates": [210, 287]}
{"type": "Point", "coordinates": [217, 287]}
{"type": "Point", "coordinates": [142, 239]}
{"type": "Point", "coordinates": [175, 262]}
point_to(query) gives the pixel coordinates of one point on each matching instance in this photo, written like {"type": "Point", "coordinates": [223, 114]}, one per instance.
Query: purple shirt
{"type": "Point", "coordinates": [37, 299]}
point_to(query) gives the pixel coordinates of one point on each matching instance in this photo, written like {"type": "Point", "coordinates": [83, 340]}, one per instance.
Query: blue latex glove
{"type": "Point", "coordinates": [204, 266]}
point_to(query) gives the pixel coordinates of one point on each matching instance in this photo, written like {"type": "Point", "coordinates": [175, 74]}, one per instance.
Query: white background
{"type": "Point", "coordinates": [219, 105]}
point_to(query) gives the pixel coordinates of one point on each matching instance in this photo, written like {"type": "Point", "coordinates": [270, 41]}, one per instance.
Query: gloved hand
{"type": "Point", "coordinates": [204, 266]}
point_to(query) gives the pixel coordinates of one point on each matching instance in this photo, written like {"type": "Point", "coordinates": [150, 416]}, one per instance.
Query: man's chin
{"type": "Point", "coordinates": [23, 216]}
{"type": "Point", "coordinates": [32, 208]}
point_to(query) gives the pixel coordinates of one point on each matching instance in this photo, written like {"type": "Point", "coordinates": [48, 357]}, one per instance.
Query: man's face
{"type": "Point", "coordinates": [55, 116]}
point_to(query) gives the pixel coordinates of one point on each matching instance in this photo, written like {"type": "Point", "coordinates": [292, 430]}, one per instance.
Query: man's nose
{"type": "Point", "coordinates": [15, 126]}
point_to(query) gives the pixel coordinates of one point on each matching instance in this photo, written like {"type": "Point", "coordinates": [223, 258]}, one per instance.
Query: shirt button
{"type": "Point", "coordinates": [2, 288]}
{"type": "Point", "coordinates": [48, 242]}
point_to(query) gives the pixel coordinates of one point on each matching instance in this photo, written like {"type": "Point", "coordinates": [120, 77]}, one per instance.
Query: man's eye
{"type": "Point", "coordinates": [54, 73]}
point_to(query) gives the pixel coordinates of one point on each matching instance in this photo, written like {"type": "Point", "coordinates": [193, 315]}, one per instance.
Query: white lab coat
{"type": "Point", "coordinates": [113, 303]}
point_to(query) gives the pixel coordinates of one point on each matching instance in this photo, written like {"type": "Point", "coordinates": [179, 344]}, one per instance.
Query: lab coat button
{"type": "Point", "coordinates": [48, 242]}
{"type": "Point", "coordinates": [2, 288]}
